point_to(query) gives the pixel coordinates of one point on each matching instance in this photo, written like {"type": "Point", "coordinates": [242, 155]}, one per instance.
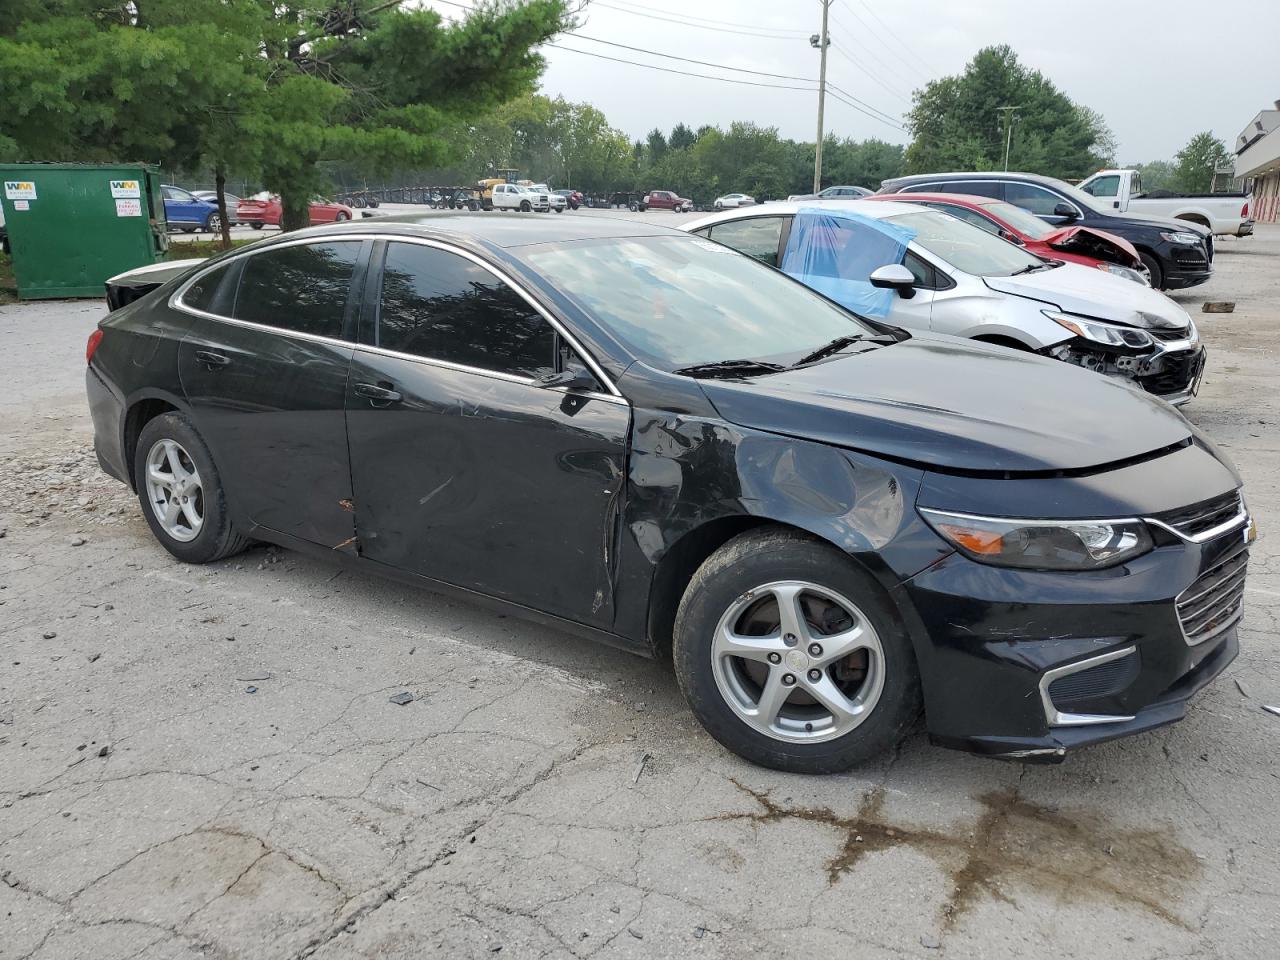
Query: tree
{"type": "Point", "coordinates": [681, 137]}
{"type": "Point", "coordinates": [656, 145]}
{"type": "Point", "coordinates": [1194, 164]}
{"type": "Point", "coordinates": [956, 122]}
{"type": "Point", "coordinates": [308, 82]}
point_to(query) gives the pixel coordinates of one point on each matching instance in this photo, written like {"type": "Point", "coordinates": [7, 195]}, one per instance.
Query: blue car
{"type": "Point", "coordinates": [186, 212]}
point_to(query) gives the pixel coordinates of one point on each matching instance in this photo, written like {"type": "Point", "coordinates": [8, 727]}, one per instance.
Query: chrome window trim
{"type": "Point", "coordinates": [176, 302]}
{"type": "Point", "coordinates": [1055, 717]}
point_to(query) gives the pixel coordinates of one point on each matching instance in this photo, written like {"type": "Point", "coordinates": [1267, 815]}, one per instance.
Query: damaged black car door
{"type": "Point", "coordinates": [470, 465]}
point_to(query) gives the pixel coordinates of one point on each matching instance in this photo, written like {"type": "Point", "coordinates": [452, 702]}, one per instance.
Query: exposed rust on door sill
{"type": "Point", "coordinates": [1014, 842]}
{"type": "Point", "coordinates": [345, 543]}
{"type": "Point", "coordinates": [347, 505]}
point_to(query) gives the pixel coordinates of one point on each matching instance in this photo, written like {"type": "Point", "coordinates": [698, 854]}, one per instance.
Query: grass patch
{"type": "Point", "coordinates": [189, 250]}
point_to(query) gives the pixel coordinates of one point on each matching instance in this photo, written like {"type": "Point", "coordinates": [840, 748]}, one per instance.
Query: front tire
{"type": "Point", "coordinates": [341, 217]}
{"type": "Point", "coordinates": [1153, 267]}
{"type": "Point", "coordinates": [181, 492]}
{"type": "Point", "coordinates": [525, 206]}
{"type": "Point", "coordinates": [792, 657]}
{"type": "Point", "coordinates": [214, 223]}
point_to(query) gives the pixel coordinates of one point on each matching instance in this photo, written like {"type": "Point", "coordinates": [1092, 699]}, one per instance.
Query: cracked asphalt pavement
{"type": "Point", "coordinates": [206, 761]}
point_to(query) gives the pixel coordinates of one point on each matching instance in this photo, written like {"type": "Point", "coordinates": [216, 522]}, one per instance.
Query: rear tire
{"type": "Point", "coordinates": [257, 224]}
{"type": "Point", "coordinates": [860, 660]}
{"type": "Point", "coordinates": [1153, 267]}
{"type": "Point", "coordinates": [181, 492]}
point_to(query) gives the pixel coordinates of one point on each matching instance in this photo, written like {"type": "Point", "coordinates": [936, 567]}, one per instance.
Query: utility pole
{"type": "Point", "coordinates": [821, 41]}
{"type": "Point", "coordinates": [1009, 117]}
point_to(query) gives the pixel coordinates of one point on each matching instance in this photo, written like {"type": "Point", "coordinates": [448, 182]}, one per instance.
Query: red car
{"type": "Point", "coordinates": [665, 200]}
{"type": "Point", "coordinates": [1093, 248]}
{"type": "Point", "coordinates": [260, 210]}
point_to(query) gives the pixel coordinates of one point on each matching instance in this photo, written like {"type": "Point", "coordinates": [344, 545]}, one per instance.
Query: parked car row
{"type": "Point", "coordinates": [828, 519]}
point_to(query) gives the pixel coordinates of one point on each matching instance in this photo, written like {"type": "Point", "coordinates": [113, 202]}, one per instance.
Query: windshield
{"type": "Point", "coordinates": [684, 301]}
{"type": "Point", "coordinates": [1023, 221]}
{"type": "Point", "coordinates": [964, 246]}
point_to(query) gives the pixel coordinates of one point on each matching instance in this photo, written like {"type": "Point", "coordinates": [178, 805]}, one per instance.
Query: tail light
{"type": "Point", "coordinates": [95, 338]}
{"type": "Point", "coordinates": [1244, 211]}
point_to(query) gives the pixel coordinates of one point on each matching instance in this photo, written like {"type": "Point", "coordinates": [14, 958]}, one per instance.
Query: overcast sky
{"type": "Point", "coordinates": [1159, 71]}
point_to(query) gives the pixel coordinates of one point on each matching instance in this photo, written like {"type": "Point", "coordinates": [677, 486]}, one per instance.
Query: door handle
{"type": "Point", "coordinates": [211, 360]}
{"type": "Point", "coordinates": [377, 393]}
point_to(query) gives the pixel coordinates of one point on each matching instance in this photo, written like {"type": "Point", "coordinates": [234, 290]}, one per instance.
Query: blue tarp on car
{"type": "Point", "coordinates": [834, 251]}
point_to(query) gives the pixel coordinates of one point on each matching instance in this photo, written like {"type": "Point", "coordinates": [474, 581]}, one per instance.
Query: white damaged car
{"type": "Point", "coordinates": [920, 268]}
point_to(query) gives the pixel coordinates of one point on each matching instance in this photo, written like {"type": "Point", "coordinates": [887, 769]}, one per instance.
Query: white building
{"type": "Point", "coordinates": [1258, 159]}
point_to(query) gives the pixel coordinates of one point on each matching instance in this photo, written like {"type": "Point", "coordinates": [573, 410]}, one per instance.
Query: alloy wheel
{"type": "Point", "coordinates": [174, 490]}
{"type": "Point", "coordinates": [798, 662]}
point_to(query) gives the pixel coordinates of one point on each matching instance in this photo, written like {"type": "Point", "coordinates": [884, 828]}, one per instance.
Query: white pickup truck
{"type": "Point", "coordinates": [1226, 214]}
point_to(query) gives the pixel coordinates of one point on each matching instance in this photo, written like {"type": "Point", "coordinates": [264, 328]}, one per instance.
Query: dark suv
{"type": "Point", "coordinates": [1177, 253]}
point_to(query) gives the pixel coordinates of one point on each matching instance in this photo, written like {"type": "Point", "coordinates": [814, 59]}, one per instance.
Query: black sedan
{"type": "Point", "coordinates": [641, 436]}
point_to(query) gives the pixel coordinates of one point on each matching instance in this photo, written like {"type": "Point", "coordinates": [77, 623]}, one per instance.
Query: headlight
{"type": "Point", "coordinates": [1126, 272]}
{"type": "Point", "coordinates": [1108, 334]}
{"type": "Point", "coordinates": [1191, 238]}
{"type": "Point", "coordinates": [1042, 544]}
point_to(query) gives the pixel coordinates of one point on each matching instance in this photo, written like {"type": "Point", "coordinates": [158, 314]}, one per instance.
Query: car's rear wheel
{"type": "Point", "coordinates": [792, 657]}
{"type": "Point", "coordinates": [181, 492]}
{"type": "Point", "coordinates": [257, 224]}
{"type": "Point", "coordinates": [1153, 268]}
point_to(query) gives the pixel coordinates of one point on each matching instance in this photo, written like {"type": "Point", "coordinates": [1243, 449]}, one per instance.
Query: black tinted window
{"type": "Point", "coordinates": [975, 188]}
{"type": "Point", "coordinates": [1036, 199]}
{"type": "Point", "coordinates": [755, 236]}
{"type": "Point", "coordinates": [442, 306]}
{"type": "Point", "coordinates": [214, 291]}
{"type": "Point", "coordinates": [302, 288]}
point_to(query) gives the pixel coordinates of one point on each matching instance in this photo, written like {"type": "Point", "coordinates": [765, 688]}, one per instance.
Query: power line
{"type": "Point", "coordinates": [683, 73]}
{"type": "Point", "coordinates": [701, 63]}
{"type": "Point", "coordinates": [888, 68]}
{"type": "Point", "coordinates": [850, 58]}
{"type": "Point", "coordinates": [933, 71]}
{"type": "Point", "coordinates": [896, 121]}
{"type": "Point", "coordinates": [749, 32]}
{"type": "Point", "coordinates": [707, 20]}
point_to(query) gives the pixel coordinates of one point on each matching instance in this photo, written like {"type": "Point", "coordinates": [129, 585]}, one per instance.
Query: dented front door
{"type": "Point", "coordinates": [503, 487]}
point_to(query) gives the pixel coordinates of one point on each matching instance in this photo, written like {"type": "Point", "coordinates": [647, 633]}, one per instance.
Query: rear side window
{"type": "Point", "coordinates": [967, 215]}
{"type": "Point", "coordinates": [214, 291]}
{"type": "Point", "coordinates": [440, 306]}
{"type": "Point", "coordinates": [755, 236]}
{"type": "Point", "coordinates": [301, 288]}
{"type": "Point", "coordinates": [1107, 186]}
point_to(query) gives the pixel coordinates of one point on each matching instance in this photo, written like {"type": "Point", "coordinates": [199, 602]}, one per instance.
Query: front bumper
{"type": "Point", "coordinates": [1186, 266]}
{"type": "Point", "coordinates": [1177, 377]}
{"type": "Point", "coordinates": [1027, 665]}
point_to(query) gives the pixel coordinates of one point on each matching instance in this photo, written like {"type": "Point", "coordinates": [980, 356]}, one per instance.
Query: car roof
{"type": "Point", "coordinates": [494, 228]}
{"type": "Point", "coordinates": [971, 175]}
{"type": "Point", "coordinates": [880, 210]}
{"type": "Point", "coordinates": [962, 199]}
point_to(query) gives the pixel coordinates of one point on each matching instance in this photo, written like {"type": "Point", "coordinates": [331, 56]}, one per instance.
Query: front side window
{"type": "Point", "coordinates": [755, 236]}
{"type": "Point", "coordinates": [302, 288]}
{"type": "Point", "coordinates": [961, 245]}
{"type": "Point", "coordinates": [679, 301]}
{"type": "Point", "coordinates": [441, 306]}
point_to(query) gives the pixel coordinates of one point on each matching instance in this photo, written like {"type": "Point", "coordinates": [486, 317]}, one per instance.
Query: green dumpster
{"type": "Point", "coordinates": [73, 225]}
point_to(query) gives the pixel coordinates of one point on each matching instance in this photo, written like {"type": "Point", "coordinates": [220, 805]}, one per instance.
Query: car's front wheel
{"type": "Point", "coordinates": [341, 217]}
{"type": "Point", "coordinates": [181, 492]}
{"type": "Point", "coordinates": [792, 657]}
{"type": "Point", "coordinates": [214, 223]}
{"type": "Point", "coordinates": [525, 206]}
{"type": "Point", "coordinates": [1154, 274]}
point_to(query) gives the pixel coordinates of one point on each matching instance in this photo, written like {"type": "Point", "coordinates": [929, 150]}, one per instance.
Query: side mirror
{"type": "Point", "coordinates": [570, 378]}
{"type": "Point", "coordinates": [894, 276]}
{"type": "Point", "coordinates": [1066, 211]}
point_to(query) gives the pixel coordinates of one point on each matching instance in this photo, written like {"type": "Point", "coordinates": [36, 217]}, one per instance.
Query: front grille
{"type": "Point", "coordinates": [1176, 375]}
{"type": "Point", "coordinates": [1204, 515]}
{"type": "Point", "coordinates": [1168, 335]}
{"type": "Point", "coordinates": [1105, 680]}
{"type": "Point", "coordinates": [1191, 259]}
{"type": "Point", "coordinates": [1215, 601]}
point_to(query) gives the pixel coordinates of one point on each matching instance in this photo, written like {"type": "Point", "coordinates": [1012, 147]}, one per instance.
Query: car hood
{"type": "Point", "coordinates": [1095, 293]}
{"type": "Point", "coordinates": [1167, 224]}
{"type": "Point", "coordinates": [957, 405]}
{"type": "Point", "coordinates": [1086, 240]}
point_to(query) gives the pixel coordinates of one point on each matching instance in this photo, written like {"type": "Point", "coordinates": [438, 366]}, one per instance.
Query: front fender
{"type": "Point", "coordinates": [687, 472]}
